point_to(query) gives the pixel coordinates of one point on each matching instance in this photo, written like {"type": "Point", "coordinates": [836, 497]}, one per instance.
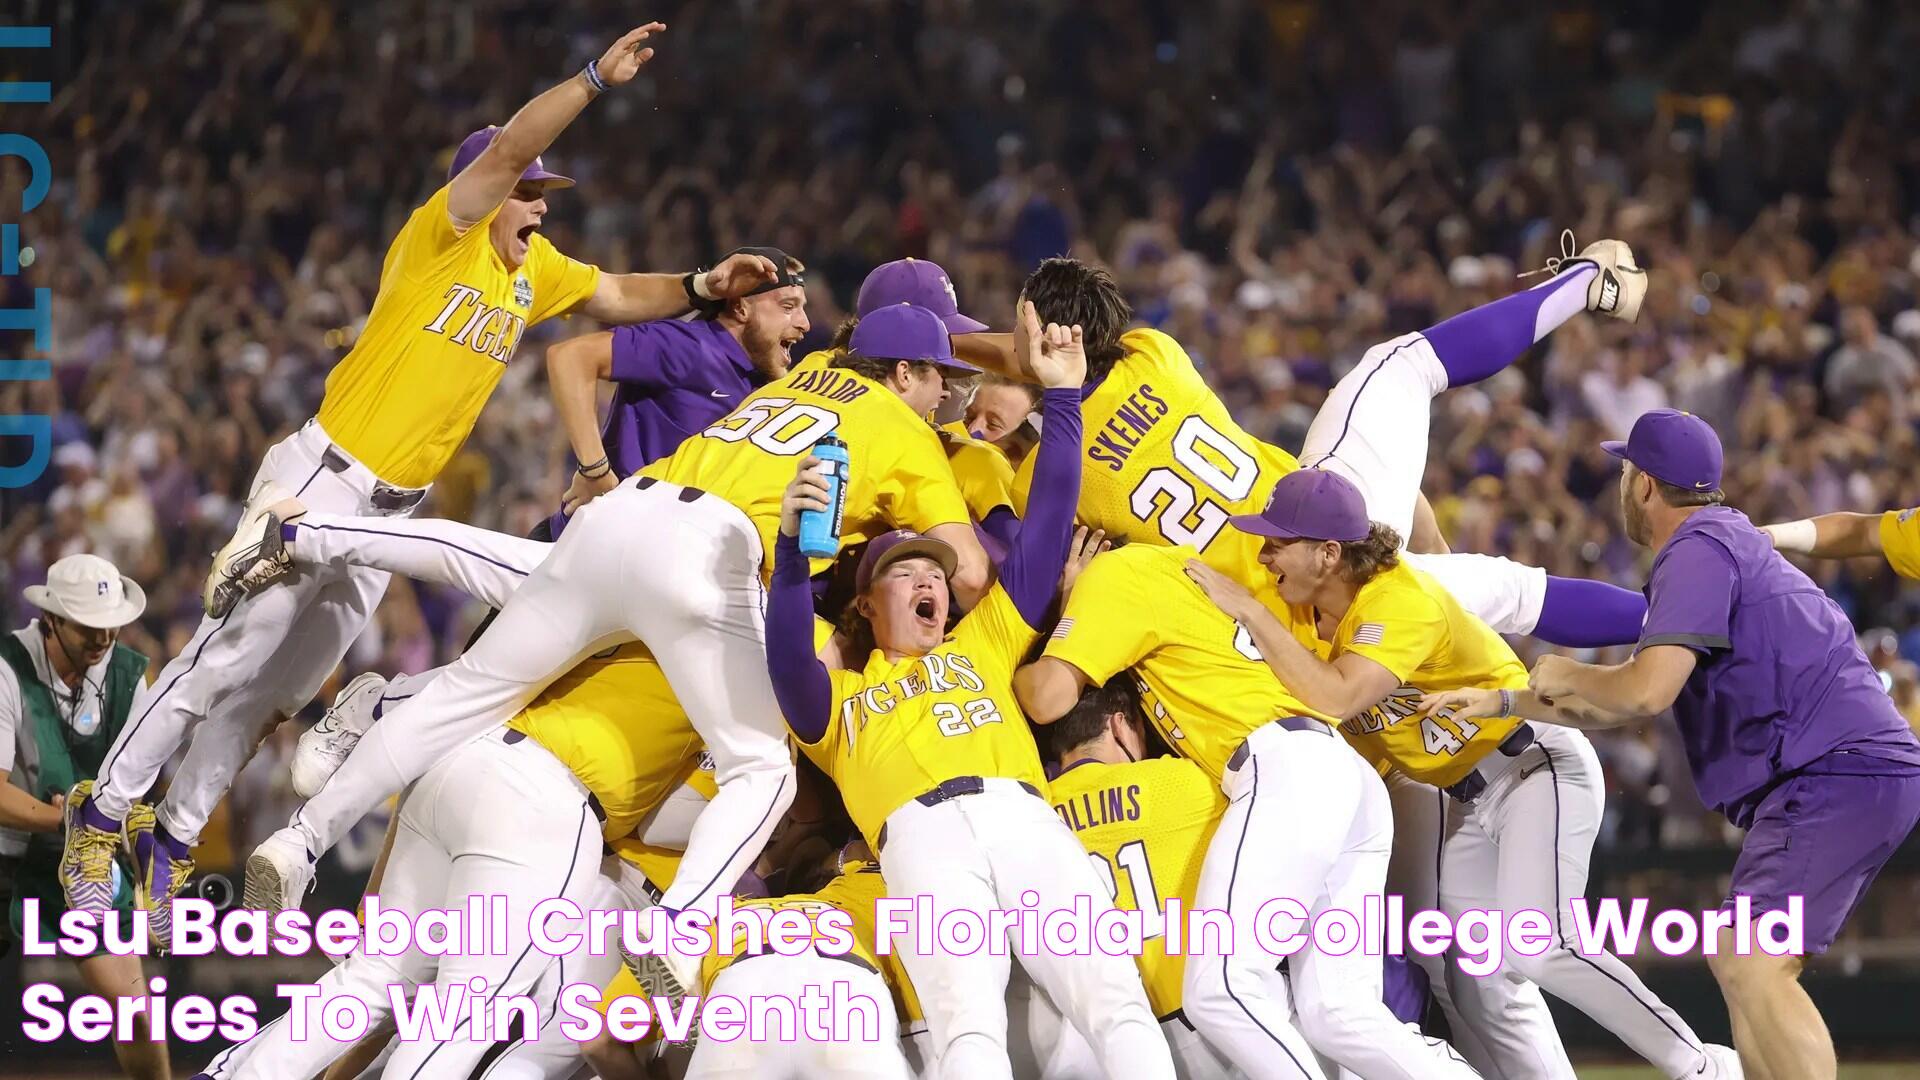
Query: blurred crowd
{"type": "Point", "coordinates": [1278, 183]}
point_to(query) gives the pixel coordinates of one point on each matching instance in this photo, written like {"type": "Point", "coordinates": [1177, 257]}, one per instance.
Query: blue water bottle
{"type": "Point", "coordinates": [820, 529]}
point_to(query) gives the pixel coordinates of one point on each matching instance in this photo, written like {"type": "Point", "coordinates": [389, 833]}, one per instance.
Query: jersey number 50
{"type": "Point", "coordinates": [776, 425]}
{"type": "Point", "coordinates": [1184, 516]}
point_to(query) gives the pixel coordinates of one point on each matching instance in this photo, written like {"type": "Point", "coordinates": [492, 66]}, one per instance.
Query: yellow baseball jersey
{"type": "Point", "coordinates": [1406, 622]}
{"type": "Point", "coordinates": [614, 720]}
{"type": "Point", "coordinates": [1146, 825]}
{"type": "Point", "coordinates": [1165, 464]}
{"type": "Point", "coordinates": [981, 469]}
{"type": "Point", "coordinates": [442, 328]}
{"type": "Point", "coordinates": [902, 727]}
{"type": "Point", "coordinates": [898, 476]}
{"type": "Point", "coordinates": [1900, 540]}
{"type": "Point", "coordinates": [853, 891]}
{"type": "Point", "coordinates": [1208, 687]}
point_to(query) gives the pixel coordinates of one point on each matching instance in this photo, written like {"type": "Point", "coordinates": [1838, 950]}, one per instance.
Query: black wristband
{"type": "Point", "coordinates": [694, 299]}
{"type": "Point", "coordinates": [596, 470]}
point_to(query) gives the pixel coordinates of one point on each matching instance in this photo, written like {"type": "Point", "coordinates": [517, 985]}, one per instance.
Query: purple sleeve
{"type": "Point", "coordinates": [1690, 597]}
{"type": "Point", "coordinates": [1031, 574]}
{"type": "Point", "coordinates": [660, 354]}
{"type": "Point", "coordinates": [800, 680]}
{"type": "Point", "coordinates": [1002, 524]}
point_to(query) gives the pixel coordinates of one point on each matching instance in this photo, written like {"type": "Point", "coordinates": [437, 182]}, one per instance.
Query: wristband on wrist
{"type": "Point", "coordinates": [1506, 703]}
{"type": "Point", "coordinates": [595, 470]}
{"type": "Point", "coordinates": [699, 297]}
{"type": "Point", "coordinates": [592, 72]}
{"type": "Point", "coordinates": [1798, 537]}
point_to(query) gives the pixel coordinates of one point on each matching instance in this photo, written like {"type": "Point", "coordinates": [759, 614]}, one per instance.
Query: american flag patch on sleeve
{"type": "Point", "coordinates": [1369, 634]}
{"type": "Point", "coordinates": [1062, 630]}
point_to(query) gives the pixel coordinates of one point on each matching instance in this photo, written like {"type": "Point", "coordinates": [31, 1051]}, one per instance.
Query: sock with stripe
{"type": "Point", "coordinates": [1479, 342]}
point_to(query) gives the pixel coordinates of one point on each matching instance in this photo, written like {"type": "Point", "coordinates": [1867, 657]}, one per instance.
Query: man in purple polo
{"type": "Point", "coordinates": [672, 377]}
{"type": "Point", "coordinates": [1787, 729]}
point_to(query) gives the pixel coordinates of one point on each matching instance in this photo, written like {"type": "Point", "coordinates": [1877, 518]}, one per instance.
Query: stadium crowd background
{"type": "Point", "coordinates": [1277, 184]}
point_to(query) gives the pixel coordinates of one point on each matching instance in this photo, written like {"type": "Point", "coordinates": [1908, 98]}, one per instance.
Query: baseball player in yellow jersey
{"type": "Point", "coordinates": [673, 557]}
{"type": "Point", "coordinates": [1307, 818]}
{"type": "Point", "coordinates": [461, 282]}
{"type": "Point", "coordinates": [1165, 463]}
{"type": "Point", "coordinates": [1894, 534]}
{"type": "Point", "coordinates": [1385, 635]}
{"type": "Point", "coordinates": [1146, 823]}
{"type": "Point", "coordinates": [935, 765]}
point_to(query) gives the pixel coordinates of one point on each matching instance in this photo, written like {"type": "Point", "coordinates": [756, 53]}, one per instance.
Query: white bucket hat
{"type": "Point", "coordinates": [90, 591]}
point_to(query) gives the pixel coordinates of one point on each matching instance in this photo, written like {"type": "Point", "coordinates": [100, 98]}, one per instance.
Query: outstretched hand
{"type": "Point", "coordinates": [624, 58]}
{"type": "Point", "coordinates": [1086, 544]}
{"type": "Point", "coordinates": [740, 274]}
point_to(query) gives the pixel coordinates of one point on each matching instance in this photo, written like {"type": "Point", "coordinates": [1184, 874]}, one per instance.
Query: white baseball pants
{"type": "Point", "coordinates": [264, 660]}
{"type": "Point", "coordinates": [670, 566]}
{"type": "Point", "coordinates": [774, 976]}
{"type": "Point", "coordinates": [1306, 819]}
{"type": "Point", "coordinates": [1525, 843]}
{"type": "Point", "coordinates": [1372, 429]}
{"type": "Point", "coordinates": [454, 842]}
{"type": "Point", "coordinates": [979, 853]}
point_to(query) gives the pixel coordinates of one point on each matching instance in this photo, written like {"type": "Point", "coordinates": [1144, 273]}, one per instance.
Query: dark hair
{"type": "Point", "coordinates": [843, 334]}
{"type": "Point", "coordinates": [857, 629]}
{"type": "Point", "coordinates": [1071, 292]}
{"type": "Point", "coordinates": [872, 367]}
{"type": "Point", "coordinates": [1675, 495]}
{"type": "Point", "coordinates": [1087, 720]}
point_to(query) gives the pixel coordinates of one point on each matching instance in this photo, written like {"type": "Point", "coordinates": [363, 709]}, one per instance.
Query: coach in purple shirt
{"type": "Point", "coordinates": [1787, 729]}
{"type": "Point", "coordinates": [672, 377]}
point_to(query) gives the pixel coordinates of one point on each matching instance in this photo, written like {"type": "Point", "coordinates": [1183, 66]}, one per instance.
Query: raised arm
{"type": "Point", "coordinates": [482, 186]}
{"type": "Point", "coordinates": [632, 298]}
{"type": "Point", "coordinates": [1031, 574]}
{"type": "Point", "coordinates": [800, 681]}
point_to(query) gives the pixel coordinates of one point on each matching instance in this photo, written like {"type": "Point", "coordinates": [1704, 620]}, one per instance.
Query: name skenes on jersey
{"type": "Point", "coordinates": [443, 325]}
{"type": "Point", "coordinates": [1146, 825]}
{"type": "Point", "coordinates": [1134, 607]}
{"type": "Point", "coordinates": [898, 477]}
{"type": "Point", "coordinates": [900, 728]}
{"type": "Point", "coordinates": [1164, 463]}
{"type": "Point", "coordinates": [1406, 622]}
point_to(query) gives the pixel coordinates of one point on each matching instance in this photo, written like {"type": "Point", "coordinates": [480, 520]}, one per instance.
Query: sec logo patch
{"type": "Point", "coordinates": [523, 292]}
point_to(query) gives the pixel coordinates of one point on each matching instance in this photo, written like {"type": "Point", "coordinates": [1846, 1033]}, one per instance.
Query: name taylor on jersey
{"type": "Point", "coordinates": [1128, 425]}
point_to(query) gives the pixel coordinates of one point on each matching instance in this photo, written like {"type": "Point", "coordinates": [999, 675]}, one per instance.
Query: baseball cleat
{"type": "Point", "coordinates": [1721, 1063]}
{"type": "Point", "coordinates": [255, 556]}
{"type": "Point", "coordinates": [1617, 289]}
{"type": "Point", "coordinates": [279, 872]}
{"type": "Point", "coordinates": [86, 860]}
{"type": "Point", "coordinates": [664, 976]}
{"type": "Point", "coordinates": [159, 874]}
{"type": "Point", "coordinates": [326, 744]}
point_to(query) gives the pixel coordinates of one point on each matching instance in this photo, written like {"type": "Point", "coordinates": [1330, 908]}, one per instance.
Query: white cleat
{"type": "Point", "coordinates": [255, 556]}
{"type": "Point", "coordinates": [326, 744]}
{"type": "Point", "coordinates": [1722, 1063]}
{"type": "Point", "coordinates": [279, 873]}
{"type": "Point", "coordinates": [1618, 288]}
{"type": "Point", "coordinates": [669, 976]}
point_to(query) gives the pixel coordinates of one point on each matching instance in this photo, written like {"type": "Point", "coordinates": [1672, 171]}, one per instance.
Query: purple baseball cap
{"type": "Point", "coordinates": [1310, 504]}
{"type": "Point", "coordinates": [915, 281]}
{"type": "Point", "coordinates": [906, 332]}
{"type": "Point", "coordinates": [890, 548]}
{"type": "Point", "coordinates": [1673, 446]}
{"type": "Point", "coordinates": [472, 145]}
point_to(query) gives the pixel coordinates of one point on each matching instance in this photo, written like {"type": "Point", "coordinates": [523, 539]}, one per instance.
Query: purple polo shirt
{"type": "Point", "coordinates": [1781, 686]}
{"type": "Point", "coordinates": [672, 380]}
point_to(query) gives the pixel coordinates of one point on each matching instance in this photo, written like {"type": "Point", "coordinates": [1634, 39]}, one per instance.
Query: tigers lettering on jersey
{"type": "Point", "coordinates": [489, 331]}
{"type": "Point", "coordinates": [939, 673]}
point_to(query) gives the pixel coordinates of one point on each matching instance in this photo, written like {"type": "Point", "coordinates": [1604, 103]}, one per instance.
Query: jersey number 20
{"type": "Point", "coordinates": [1184, 515]}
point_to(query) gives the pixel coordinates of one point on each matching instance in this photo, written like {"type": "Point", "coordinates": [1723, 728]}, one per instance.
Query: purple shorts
{"type": "Point", "coordinates": [1823, 835]}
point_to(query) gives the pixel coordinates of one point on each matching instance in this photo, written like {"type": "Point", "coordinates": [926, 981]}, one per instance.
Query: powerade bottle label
{"type": "Point", "coordinates": [820, 529]}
